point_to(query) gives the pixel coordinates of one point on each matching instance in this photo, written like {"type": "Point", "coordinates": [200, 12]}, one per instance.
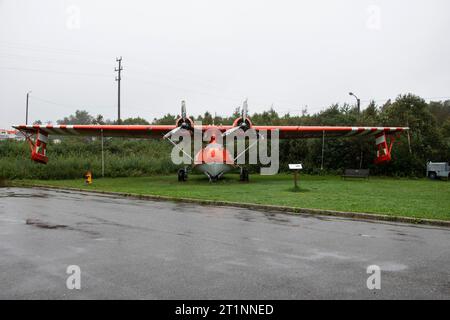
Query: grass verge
{"type": "Point", "coordinates": [421, 198]}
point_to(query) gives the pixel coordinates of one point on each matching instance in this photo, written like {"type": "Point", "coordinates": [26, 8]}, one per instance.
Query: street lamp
{"type": "Point", "coordinates": [358, 101]}
{"type": "Point", "coordinates": [26, 116]}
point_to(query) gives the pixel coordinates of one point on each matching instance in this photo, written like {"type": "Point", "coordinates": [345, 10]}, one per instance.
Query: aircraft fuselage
{"type": "Point", "coordinates": [214, 160]}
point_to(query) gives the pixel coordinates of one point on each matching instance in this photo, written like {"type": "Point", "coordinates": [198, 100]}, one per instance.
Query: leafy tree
{"type": "Point", "coordinates": [167, 119]}
{"type": "Point", "coordinates": [98, 119]}
{"type": "Point", "coordinates": [426, 141]}
{"type": "Point", "coordinates": [137, 120]}
{"type": "Point", "coordinates": [80, 117]}
{"type": "Point", "coordinates": [440, 110]}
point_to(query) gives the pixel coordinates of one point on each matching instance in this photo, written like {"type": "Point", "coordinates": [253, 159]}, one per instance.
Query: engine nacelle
{"type": "Point", "coordinates": [185, 123]}
{"type": "Point", "coordinates": [239, 122]}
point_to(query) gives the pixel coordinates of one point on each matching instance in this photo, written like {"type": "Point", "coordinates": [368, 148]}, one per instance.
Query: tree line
{"type": "Point", "coordinates": [428, 140]}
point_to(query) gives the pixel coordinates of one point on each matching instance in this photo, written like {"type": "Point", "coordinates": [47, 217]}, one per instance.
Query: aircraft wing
{"type": "Point", "coordinates": [300, 132]}
{"type": "Point", "coordinates": [158, 131]}
{"type": "Point", "coordinates": [126, 131]}
{"type": "Point", "coordinates": [38, 148]}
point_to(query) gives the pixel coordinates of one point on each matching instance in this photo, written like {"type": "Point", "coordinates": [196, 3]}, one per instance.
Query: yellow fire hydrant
{"type": "Point", "coordinates": [88, 177]}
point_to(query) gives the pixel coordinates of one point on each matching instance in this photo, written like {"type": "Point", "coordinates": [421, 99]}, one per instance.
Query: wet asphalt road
{"type": "Point", "coordinates": [129, 248]}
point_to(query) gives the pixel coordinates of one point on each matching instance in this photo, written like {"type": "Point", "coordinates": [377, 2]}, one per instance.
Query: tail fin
{"type": "Point", "coordinates": [383, 149]}
{"type": "Point", "coordinates": [39, 149]}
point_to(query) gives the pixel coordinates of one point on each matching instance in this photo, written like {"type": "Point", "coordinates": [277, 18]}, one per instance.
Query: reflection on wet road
{"type": "Point", "coordinates": [129, 248]}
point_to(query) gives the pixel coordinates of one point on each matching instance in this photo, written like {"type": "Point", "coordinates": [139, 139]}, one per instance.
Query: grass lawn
{"type": "Point", "coordinates": [421, 198]}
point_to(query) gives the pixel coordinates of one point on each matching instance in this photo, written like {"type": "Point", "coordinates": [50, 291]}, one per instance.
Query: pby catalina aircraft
{"type": "Point", "coordinates": [214, 160]}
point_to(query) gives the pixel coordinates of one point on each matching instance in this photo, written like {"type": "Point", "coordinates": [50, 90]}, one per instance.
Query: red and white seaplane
{"type": "Point", "coordinates": [214, 159]}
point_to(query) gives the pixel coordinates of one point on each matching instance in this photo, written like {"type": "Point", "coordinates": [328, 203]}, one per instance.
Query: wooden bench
{"type": "Point", "coordinates": [356, 173]}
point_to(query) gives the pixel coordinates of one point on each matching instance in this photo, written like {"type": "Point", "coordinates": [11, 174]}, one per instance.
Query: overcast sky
{"type": "Point", "coordinates": [214, 54]}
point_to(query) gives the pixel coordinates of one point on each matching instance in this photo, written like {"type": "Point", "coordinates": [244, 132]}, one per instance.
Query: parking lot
{"type": "Point", "coordinates": [135, 249]}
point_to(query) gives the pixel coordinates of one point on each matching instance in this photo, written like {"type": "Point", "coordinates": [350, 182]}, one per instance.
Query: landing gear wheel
{"type": "Point", "coordinates": [244, 177]}
{"type": "Point", "coordinates": [182, 175]}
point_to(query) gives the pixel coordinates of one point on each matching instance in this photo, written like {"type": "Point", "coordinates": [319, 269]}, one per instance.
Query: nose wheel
{"type": "Point", "coordinates": [244, 177]}
{"type": "Point", "coordinates": [182, 175]}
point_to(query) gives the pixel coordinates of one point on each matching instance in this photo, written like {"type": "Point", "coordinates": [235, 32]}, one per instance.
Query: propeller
{"type": "Point", "coordinates": [168, 134]}
{"type": "Point", "coordinates": [244, 110]}
{"type": "Point", "coordinates": [230, 131]}
{"type": "Point", "coordinates": [243, 125]}
{"type": "Point", "coordinates": [183, 110]}
{"type": "Point", "coordinates": [185, 122]}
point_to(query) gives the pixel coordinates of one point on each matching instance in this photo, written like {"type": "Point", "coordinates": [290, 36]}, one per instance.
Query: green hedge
{"type": "Point", "coordinates": [71, 158]}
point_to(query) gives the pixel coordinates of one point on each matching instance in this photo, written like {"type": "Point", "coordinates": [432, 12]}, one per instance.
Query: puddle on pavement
{"type": "Point", "coordinates": [12, 194]}
{"type": "Point", "coordinates": [41, 224]}
{"type": "Point", "coordinates": [46, 225]}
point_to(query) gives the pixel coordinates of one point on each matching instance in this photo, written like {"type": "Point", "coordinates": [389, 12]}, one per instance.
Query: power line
{"type": "Point", "coordinates": [56, 72]}
{"type": "Point", "coordinates": [79, 53]}
{"type": "Point", "coordinates": [235, 100]}
{"type": "Point", "coordinates": [67, 52]}
{"type": "Point", "coordinates": [83, 54]}
{"type": "Point", "coordinates": [48, 58]}
{"type": "Point", "coordinates": [188, 75]}
{"type": "Point", "coordinates": [26, 46]}
{"type": "Point", "coordinates": [52, 102]}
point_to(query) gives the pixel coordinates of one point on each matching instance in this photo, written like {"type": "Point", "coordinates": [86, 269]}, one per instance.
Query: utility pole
{"type": "Point", "coordinates": [358, 104]}
{"type": "Point", "coordinates": [26, 114]}
{"type": "Point", "coordinates": [118, 78]}
{"type": "Point", "coordinates": [323, 148]}
{"type": "Point", "coordinates": [409, 137]}
{"type": "Point", "coordinates": [103, 157]}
